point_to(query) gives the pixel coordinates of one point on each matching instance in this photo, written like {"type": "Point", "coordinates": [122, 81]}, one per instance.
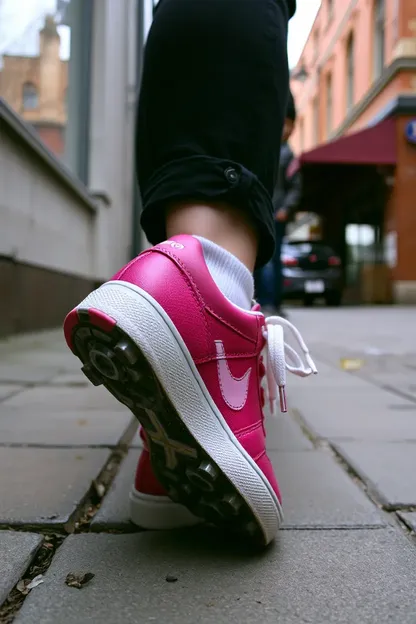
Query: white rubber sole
{"type": "Point", "coordinates": [158, 513]}
{"type": "Point", "coordinates": [145, 322]}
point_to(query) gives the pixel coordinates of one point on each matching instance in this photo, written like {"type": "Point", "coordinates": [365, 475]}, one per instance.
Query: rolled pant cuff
{"type": "Point", "coordinates": [205, 178]}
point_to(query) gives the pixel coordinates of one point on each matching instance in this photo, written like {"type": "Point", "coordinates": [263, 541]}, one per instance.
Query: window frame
{"type": "Point", "coordinates": [329, 103]}
{"type": "Point", "coordinates": [350, 71]}
{"type": "Point", "coordinates": [316, 44]}
{"type": "Point", "coordinates": [33, 93]}
{"type": "Point", "coordinates": [379, 37]}
{"type": "Point", "coordinates": [330, 11]}
{"type": "Point", "coordinates": [302, 133]}
{"type": "Point", "coordinates": [316, 120]}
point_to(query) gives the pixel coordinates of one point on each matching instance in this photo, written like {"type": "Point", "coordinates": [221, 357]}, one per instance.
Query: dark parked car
{"type": "Point", "coordinates": [311, 270]}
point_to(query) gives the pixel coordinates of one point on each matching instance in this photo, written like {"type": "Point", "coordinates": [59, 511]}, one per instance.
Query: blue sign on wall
{"type": "Point", "coordinates": [411, 131]}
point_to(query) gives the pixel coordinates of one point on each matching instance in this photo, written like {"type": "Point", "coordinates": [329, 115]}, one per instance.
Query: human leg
{"type": "Point", "coordinates": [264, 286]}
{"type": "Point", "coordinates": [278, 267]}
{"type": "Point", "coordinates": [166, 335]}
{"type": "Point", "coordinates": [213, 98]}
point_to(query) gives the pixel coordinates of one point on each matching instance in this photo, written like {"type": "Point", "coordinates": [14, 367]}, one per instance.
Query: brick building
{"type": "Point", "coordinates": [355, 87]}
{"type": "Point", "coordinates": [35, 87]}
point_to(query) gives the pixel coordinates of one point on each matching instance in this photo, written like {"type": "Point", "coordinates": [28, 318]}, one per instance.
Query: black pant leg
{"type": "Point", "coordinates": [212, 103]}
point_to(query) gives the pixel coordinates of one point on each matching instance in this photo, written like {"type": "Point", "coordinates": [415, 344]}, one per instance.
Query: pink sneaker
{"type": "Point", "coordinates": [166, 342]}
{"type": "Point", "coordinates": [150, 506]}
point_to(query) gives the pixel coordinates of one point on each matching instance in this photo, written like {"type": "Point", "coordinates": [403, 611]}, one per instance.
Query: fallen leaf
{"type": "Point", "coordinates": [36, 581]}
{"type": "Point", "coordinates": [78, 580]}
{"type": "Point", "coordinates": [21, 587]}
{"type": "Point", "coordinates": [351, 364]}
{"type": "Point", "coordinates": [25, 585]}
{"type": "Point", "coordinates": [99, 489]}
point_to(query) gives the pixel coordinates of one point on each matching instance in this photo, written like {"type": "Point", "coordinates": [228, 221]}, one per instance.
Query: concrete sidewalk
{"type": "Point", "coordinates": [345, 456]}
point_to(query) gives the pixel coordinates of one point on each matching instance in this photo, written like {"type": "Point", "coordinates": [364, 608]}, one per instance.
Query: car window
{"type": "Point", "coordinates": [307, 248]}
{"type": "Point", "coordinates": [290, 250]}
{"type": "Point", "coordinates": [304, 248]}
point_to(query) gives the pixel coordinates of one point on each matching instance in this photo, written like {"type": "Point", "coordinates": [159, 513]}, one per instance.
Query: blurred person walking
{"type": "Point", "coordinates": [286, 195]}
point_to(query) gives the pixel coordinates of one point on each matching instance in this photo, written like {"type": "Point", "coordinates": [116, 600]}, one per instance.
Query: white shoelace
{"type": "Point", "coordinates": [277, 350]}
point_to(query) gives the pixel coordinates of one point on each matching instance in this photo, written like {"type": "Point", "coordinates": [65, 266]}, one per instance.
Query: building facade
{"type": "Point", "coordinates": [70, 207]}
{"type": "Point", "coordinates": [356, 72]}
{"type": "Point", "coordinates": [36, 87]}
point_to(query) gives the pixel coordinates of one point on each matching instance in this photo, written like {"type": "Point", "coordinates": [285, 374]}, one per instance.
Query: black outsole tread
{"type": "Point", "coordinates": [186, 471]}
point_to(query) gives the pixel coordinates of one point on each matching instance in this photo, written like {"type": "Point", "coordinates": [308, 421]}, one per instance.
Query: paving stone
{"type": "Point", "coordinates": [327, 377]}
{"type": "Point", "coordinates": [61, 427]}
{"type": "Point", "coordinates": [389, 329]}
{"type": "Point", "coordinates": [44, 339]}
{"type": "Point", "coordinates": [75, 378]}
{"type": "Point", "coordinates": [35, 357]}
{"type": "Point", "coordinates": [317, 493]}
{"type": "Point", "coordinates": [284, 434]}
{"type": "Point", "coordinates": [364, 413]}
{"type": "Point", "coordinates": [388, 468]}
{"type": "Point", "coordinates": [114, 510]}
{"type": "Point", "coordinates": [367, 378]}
{"type": "Point", "coordinates": [400, 382]}
{"type": "Point", "coordinates": [16, 552]}
{"type": "Point", "coordinates": [7, 390]}
{"type": "Point", "coordinates": [55, 357]}
{"type": "Point", "coordinates": [409, 517]}
{"type": "Point", "coordinates": [13, 372]}
{"type": "Point", "coordinates": [44, 486]}
{"type": "Point", "coordinates": [76, 399]}
{"type": "Point", "coordinates": [342, 577]}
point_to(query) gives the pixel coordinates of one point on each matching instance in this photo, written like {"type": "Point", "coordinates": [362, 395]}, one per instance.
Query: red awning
{"type": "Point", "coordinates": [372, 146]}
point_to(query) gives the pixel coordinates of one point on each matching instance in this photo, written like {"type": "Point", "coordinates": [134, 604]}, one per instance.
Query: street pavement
{"type": "Point", "coordinates": [345, 456]}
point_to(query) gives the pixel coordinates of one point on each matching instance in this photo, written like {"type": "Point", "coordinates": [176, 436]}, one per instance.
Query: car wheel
{"type": "Point", "coordinates": [308, 301]}
{"type": "Point", "coordinates": [334, 299]}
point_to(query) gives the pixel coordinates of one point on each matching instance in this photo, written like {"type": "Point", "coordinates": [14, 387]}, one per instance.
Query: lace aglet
{"type": "Point", "coordinates": [311, 364]}
{"type": "Point", "coordinates": [282, 398]}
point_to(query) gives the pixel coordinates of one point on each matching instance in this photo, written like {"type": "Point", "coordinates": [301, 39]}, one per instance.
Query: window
{"type": "Point", "coordinates": [316, 120]}
{"type": "Point", "coordinates": [350, 72]}
{"type": "Point", "coordinates": [29, 96]}
{"type": "Point", "coordinates": [44, 51]}
{"type": "Point", "coordinates": [302, 133]}
{"type": "Point", "coordinates": [315, 45]}
{"type": "Point", "coordinates": [395, 22]}
{"type": "Point", "coordinates": [379, 37]}
{"type": "Point", "coordinates": [330, 9]}
{"type": "Point", "coordinates": [329, 99]}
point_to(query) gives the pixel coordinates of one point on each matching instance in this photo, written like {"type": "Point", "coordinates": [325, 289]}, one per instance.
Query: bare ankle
{"type": "Point", "coordinates": [219, 222]}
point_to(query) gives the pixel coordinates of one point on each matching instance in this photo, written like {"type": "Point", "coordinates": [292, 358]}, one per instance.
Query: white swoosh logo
{"type": "Point", "coordinates": [234, 390]}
